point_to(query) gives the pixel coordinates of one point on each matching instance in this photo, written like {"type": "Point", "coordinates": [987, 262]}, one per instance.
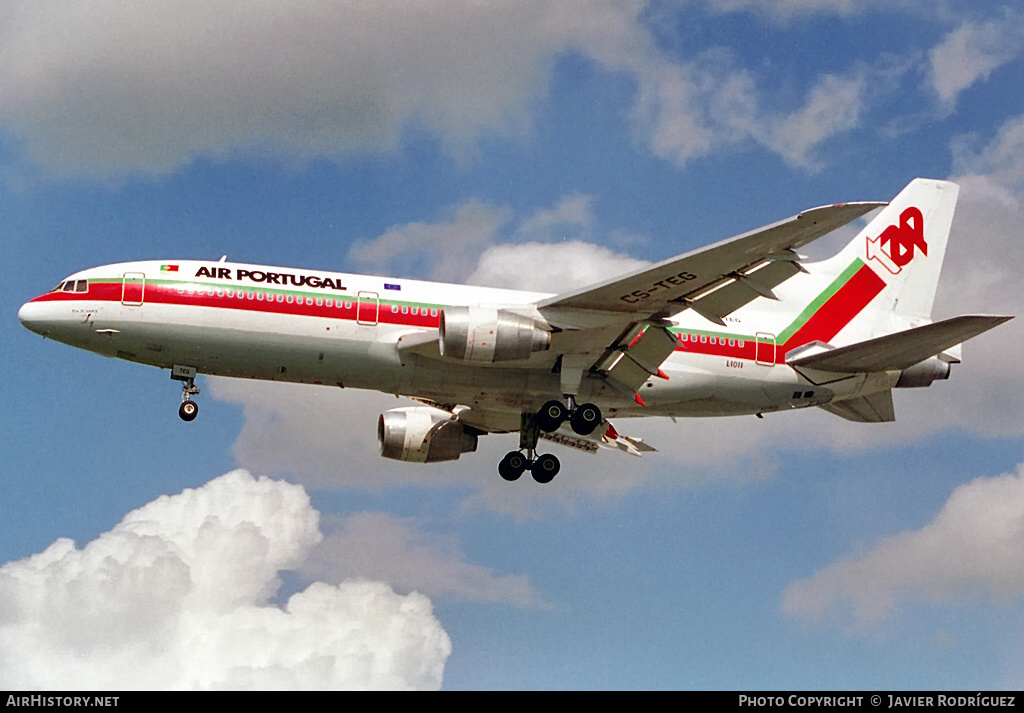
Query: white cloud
{"type": "Point", "coordinates": [550, 267]}
{"type": "Point", "coordinates": [177, 596]}
{"type": "Point", "coordinates": [396, 550]}
{"type": "Point", "coordinates": [571, 215]}
{"type": "Point", "coordinates": [115, 88]}
{"type": "Point", "coordinates": [443, 251]}
{"type": "Point", "coordinates": [973, 549]}
{"type": "Point", "coordinates": [980, 276]}
{"type": "Point", "coordinates": [834, 105]}
{"type": "Point", "coordinates": [466, 245]}
{"type": "Point", "coordinates": [972, 52]}
{"type": "Point", "coordinates": [786, 9]}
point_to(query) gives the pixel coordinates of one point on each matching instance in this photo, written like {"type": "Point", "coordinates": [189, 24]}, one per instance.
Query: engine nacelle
{"type": "Point", "coordinates": [923, 373]}
{"type": "Point", "coordinates": [421, 434]}
{"type": "Point", "coordinates": [487, 334]}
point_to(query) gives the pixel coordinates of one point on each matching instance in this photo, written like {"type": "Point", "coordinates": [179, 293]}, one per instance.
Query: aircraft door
{"type": "Point", "coordinates": [765, 349]}
{"type": "Point", "coordinates": [133, 289]}
{"type": "Point", "coordinates": [368, 308]}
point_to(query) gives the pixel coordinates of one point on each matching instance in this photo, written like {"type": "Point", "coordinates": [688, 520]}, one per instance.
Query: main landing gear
{"type": "Point", "coordinates": [583, 419]}
{"type": "Point", "coordinates": [189, 409]}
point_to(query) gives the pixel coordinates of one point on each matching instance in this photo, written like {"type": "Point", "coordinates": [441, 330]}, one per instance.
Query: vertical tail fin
{"type": "Point", "coordinates": [896, 260]}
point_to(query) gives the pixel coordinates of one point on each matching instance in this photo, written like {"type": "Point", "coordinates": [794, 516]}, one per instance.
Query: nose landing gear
{"type": "Point", "coordinates": [189, 409]}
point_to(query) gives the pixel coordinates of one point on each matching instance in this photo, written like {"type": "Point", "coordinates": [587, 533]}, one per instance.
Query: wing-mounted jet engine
{"type": "Point", "coordinates": [423, 434]}
{"type": "Point", "coordinates": [489, 334]}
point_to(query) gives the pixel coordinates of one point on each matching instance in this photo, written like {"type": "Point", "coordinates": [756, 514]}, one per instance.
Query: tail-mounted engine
{"type": "Point", "coordinates": [421, 434]}
{"type": "Point", "coordinates": [487, 334]}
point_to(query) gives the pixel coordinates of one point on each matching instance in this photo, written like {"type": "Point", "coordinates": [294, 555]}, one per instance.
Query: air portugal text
{"type": "Point", "coordinates": [271, 278]}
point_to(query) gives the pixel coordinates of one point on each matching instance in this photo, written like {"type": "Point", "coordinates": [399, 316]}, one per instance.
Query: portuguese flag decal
{"type": "Point", "coordinates": [168, 268]}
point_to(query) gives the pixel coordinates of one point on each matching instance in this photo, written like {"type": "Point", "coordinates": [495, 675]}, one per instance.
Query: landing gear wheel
{"type": "Point", "coordinates": [512, 466]}
{"type": "Point", "coordinates": [585, 419]}
{"type": "Point", "coordinates": [545, 468]}
{"type": "Point", "coordinates": [551, 416]}
{"type": "Point", "coordinates": [188, 410]}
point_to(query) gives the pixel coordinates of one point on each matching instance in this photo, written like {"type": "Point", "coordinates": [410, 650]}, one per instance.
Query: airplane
{"type": "Point", "coordinates": [742, 327]}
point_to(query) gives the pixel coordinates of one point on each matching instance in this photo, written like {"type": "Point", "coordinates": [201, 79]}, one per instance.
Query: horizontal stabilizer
{"type": "Point", "coordinates": [874, 408]}
{"type": "Point", "coordinates": [900, 350]}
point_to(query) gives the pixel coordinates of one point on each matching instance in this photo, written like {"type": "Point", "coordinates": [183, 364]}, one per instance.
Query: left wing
{"type": "Point", "coordinates": [618, 328]}
{"type": "Point", "coordinates": [715, 280]}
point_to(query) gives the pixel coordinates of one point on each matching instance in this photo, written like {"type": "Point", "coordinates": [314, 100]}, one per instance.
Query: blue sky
{"type": "Point", "coordinates": [526, 144]}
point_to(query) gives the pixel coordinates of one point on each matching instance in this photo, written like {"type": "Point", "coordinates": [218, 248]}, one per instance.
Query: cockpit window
{"type": "Point", "coordinates": [72, 286]}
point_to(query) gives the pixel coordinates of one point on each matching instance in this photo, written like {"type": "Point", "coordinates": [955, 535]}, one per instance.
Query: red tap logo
{"type": "Point", "coordinates": [897, 244]}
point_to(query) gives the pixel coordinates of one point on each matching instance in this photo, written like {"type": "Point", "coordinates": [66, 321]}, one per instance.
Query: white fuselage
{"type": "Point", "coordinates": [306, 326]}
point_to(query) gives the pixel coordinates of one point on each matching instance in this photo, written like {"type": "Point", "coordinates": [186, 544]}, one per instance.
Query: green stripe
{"type": "Point", "coordinates": [818, 301]}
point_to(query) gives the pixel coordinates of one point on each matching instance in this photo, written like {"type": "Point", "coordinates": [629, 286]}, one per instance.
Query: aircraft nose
{"type": "Point", "coordinates": [34, 316]}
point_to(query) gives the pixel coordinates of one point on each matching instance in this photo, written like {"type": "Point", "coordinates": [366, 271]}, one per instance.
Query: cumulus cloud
{"type": "Point", "coordinates": [787, 9]}
{"type": "Point", "coordinates": [973, 549]}
{"type": "Point", "coordinates": [972, 52]}
{"type": "Point", "coordinates": [468, 244]}
{"type": "Point", "coordinates": [979, 276]}
{"type": "Point", "coordinates": [834, 105]}
{"type": "Point", "coordinates": [442, 250]}
{"type": "Point", "coordinates": [396, 550]}
{"type": "Point", "coordinates": [572, 215]}
{"type": "Point", "coordinates": [111, 88]}
{"type": "Point", "coordinates": [178, 596]}
{"type": "Point", "coordinates": [551, 267]}
{"type": "Point", "coordinates": [687, 111]}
